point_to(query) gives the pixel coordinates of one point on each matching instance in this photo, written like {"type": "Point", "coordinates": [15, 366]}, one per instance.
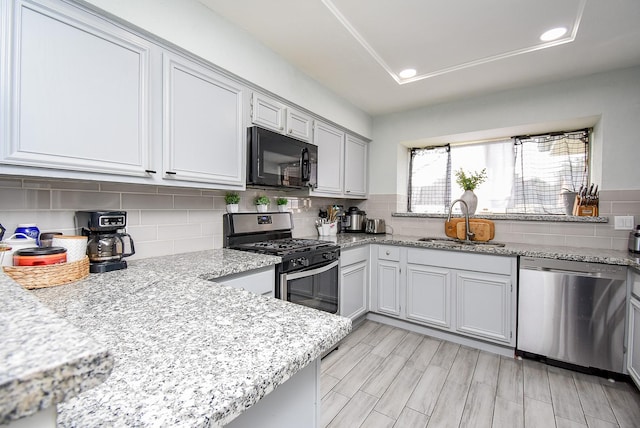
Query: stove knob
{"type": "Point", "coordinates": [292, 263]}
{"type": "Point", "coordinates": [327, 256]}
{"type": "Point", "coordinates": [303, 261]}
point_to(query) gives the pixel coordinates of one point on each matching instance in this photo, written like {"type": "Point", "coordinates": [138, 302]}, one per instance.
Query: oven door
{"type": "Point", "coordinates": [316, 287]}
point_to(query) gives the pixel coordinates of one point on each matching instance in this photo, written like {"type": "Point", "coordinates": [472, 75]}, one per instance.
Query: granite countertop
{"type": "Point", "coordinates": [186, 351]}
{"type": "Point", "coordinates": [591, 255]}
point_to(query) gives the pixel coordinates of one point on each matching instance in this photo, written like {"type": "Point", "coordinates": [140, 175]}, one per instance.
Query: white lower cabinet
{"type": "Point", "coordinates": [484, 305]}
{"type": "Point", "coordinates": [259, 281]}
{"type": "Point", "coordinates": [633, 356]}
{"type": "Point", "coordinates": [429, 295]}
{"type": "Point", "coordinates": [354, 282]}
{"type": "Point", "coordinates": [432, 288]}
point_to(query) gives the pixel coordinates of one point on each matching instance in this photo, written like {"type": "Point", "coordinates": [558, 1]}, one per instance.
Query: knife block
{"type": "Point", "coordinates": [590, 210]}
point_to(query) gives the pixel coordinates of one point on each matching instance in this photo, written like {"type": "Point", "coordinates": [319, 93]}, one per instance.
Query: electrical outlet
{"type": "Point", "coordinates": [623, 222]}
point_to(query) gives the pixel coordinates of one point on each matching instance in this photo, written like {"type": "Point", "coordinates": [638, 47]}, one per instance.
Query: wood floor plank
{"type": "Point", "coordinates": [450, 405]}
{"type": "Point", "coordinates": [360, 332]}
{"type": "Point", "coordinates": [487, 369]}
{"type": "Point", "coordinates": [378, 420]}
{"type": "Point", "coordinates": [536, 381]}
{"type": "Point", "coordinates": [566, 423]}
{"type": "Point", "coordinates": [598, 423]}
{"type": "Point", "coordinates": [354, 413]}
{"type": "Point", "coordinates": [332, 403]}
{"type": "Point", "coordinates": [478, 409]}
{"type": "Point", "coordinates": [382, 377]}
{"type": "Point", "coordinates": [424, 353]}
{"type": "Point", "coordinates": [395, 397]}
{"type": "Point", "coordinates": [376, 336]}
{"type": "Point", "coordinates": [538, 414]}
{"type": "Point", "coordinates": [411, 418]}
{"type": "Point", "coordinates": [591, 394]}
{"type": "Point", "coordinates": [334, 357]}
{"type": "Point", "coordinates": [408, 345]}
{"type": "Point", "coordinates": [327, 382]}
{"type": "Point", "coordinates": [564, 395]}
{"type": "Point", "coordinates": [463, 366]}
{"type": "Point", "coordinates": [445, 355]}
{"type": "Point", "coordinates": [510, 381]}
{"type": "Point", "coordinates": [625, 403]}
{"type": "Point", "coordinates": [351, 383]}
{"type": "Point", "coordinates": [508, 414]}
{"type": "Point", "coordinates": [349, 360]}
{"type": "Point", "coordinates": [425, 395]}
{"type": "Point", "coordinates": [389, 342]}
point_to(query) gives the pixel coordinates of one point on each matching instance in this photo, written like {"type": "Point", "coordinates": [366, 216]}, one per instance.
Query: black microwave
{"type": "Point", "coordinates": [276, 160]}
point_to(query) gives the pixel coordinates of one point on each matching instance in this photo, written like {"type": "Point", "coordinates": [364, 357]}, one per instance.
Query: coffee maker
{"type": "Point", "coordinates": [106, 239]}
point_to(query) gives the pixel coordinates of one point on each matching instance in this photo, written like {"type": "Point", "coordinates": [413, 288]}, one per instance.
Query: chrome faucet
{"type": "Point", "coordinates": [469, 234]}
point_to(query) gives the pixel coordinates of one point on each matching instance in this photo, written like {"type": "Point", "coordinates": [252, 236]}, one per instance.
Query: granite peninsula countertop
{"type": "Point", "coordinates": [185, 351]}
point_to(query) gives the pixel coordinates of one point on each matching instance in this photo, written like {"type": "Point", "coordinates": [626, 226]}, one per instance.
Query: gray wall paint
{"type": "Point", "coordinates": [610, 101]}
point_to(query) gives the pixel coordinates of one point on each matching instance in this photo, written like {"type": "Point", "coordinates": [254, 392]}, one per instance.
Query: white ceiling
{"type": "Point", "coordinates": [460, 48]}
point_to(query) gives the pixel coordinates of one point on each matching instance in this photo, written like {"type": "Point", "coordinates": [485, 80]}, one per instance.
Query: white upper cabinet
{"type": "Point", "coordinates": [298, 125]}
{"type": "Point", "coordinates": [267, 113]}
{"type": "Point", "coordinates": [77, 92]}
{"type": "Point", "coordinates": [342, 163]}
{"type": "Point", "coordinates": [355, 167]}
{"type": "Point", "coordinates": [330, 142]}
{"type": "Point", "coordinates": [202, 127]}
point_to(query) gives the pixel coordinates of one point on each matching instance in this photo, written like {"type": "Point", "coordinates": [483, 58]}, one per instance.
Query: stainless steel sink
{"type": "Point", "coordinates": [459, 243]}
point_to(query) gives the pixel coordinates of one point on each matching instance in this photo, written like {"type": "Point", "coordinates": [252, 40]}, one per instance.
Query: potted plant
{"type": "Point", "coordinates": [469, 181]}
{"type": "Point", "coordinates": [262, 203]}
{"type": "Point", "coordinates": [282, 204]}
{"type": "Point", "coordinates": [232, 199]}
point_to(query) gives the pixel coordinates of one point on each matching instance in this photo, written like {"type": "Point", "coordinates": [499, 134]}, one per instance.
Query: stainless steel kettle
{"type": "Point", "coordinates": [634, 240]}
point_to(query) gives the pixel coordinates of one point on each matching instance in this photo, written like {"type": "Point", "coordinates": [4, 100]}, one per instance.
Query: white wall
{"type": "Point", "coordinates": [610, 100]}
{"type": "Point", "coordinates": [195, 28]}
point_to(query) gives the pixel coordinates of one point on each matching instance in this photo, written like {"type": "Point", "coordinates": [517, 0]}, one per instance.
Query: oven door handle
{"type": "Point", "coordinates": [284, 289]}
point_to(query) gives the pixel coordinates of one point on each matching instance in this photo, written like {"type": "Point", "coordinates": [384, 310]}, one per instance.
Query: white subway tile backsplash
{"type": "Point", "coordinates": [180, 231]}
{"type": "Point", "coordinates": [193, 202]}
{"type": "Point", "coordinates": [193, 244]}
{"type": "Point", "coordinates": [147, 202]}
{"type": "Point", "coordinates": [161, 217]}
{"type": "Point", "coordinates": [143, 233]}
{"type": "Point", "coordinates": [21, 199]}
{"type": "Point", "coordinates": [61, 185]}
{"type": "Point", "coordinates": [128, 188]}
{"type": "Point", "coordinates": [588, 242]}
{"type": "Point", "coordinates": [67, 199]}
{"type": "Point", "coordinates": [204, 216]}
{"type": "Point", "coordinates": [152, 249]}
{"type": "Point", "coordinates": [179, 191]}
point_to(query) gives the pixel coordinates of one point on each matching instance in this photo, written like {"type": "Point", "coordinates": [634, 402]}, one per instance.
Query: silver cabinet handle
{"type": "Point", "coordinates": [388, 252]}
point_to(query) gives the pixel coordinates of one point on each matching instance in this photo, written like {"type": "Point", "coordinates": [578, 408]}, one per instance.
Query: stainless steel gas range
{"type": "Point", "coordinates": [308, 274]}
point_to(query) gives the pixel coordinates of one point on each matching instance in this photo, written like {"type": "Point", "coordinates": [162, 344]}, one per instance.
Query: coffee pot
{"type": "Point", "coordinates": [106, 239]}
{"type": "Point", "coordinates": [106, 247]}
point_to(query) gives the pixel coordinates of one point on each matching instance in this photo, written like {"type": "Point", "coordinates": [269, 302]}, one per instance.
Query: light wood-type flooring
{"type": "Point", "coordinates": [382, 376]}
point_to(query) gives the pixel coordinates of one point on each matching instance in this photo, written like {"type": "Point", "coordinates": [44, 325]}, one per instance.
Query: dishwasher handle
{"type": "Point", "coordinates": [565, 272]}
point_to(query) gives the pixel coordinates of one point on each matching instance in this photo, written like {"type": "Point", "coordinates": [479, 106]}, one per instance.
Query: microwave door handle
{"type": "Point", "coordinates": [304, 165]}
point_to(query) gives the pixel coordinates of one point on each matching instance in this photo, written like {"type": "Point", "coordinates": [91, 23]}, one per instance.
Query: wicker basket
{"type": "Point", "coordinates": [32, 277]}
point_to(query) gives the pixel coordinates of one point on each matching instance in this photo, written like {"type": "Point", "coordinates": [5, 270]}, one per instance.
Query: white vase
{"type": "Point", "coordinates": [282, 208]}
{"type": "Point", "coordinates": [232, 208]}
{"type": "Point", "coordinates": [262, 208]}
{"type": "Point", "coordinates": [472, 201]}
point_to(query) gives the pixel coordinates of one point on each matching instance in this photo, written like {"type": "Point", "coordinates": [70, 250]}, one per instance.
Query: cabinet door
{"type": "Point", "coordinates": [202, 127]}
{"type": "Point", "coordinates": [330, 142]}
{"type": "Point", "coordinates": [353, 290]}
{"type": "Point", "coordinates": [298, 125]}
{"type": "Point", "coordinates": [484, 305]}
{"type": "Point", "coordinates": [267, 113]}
{"type": "Point", "coordinates": [79, 92]}
{"type": "Point", "coordinates": [388, 281]}
{"type": "Point", "coordinates": [429, 295]}
{"type": "Point", "coordinates": [633, 358]}
{"type": "Point", "coordinates": [355, 167]}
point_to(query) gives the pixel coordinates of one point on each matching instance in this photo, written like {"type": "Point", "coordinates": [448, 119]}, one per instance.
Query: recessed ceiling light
{"type": "Point", "coordinates": [553, 34]}
{"type": "Point", "coordinates": [407, 73]}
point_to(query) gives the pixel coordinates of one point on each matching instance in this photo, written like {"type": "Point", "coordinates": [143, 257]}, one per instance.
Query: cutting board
{"type": "Point", "coordinates": [484, 230]}
{"type": "Point", "coordinates": [451, 227]}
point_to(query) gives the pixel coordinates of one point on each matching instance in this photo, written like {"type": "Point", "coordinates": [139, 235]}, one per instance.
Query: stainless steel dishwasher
{"type": "Point", "coordinates": [572, 312]}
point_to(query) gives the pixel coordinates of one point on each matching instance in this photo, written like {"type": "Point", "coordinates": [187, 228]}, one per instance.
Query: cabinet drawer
{"type": "Point", "coordinates": [389, 253]}
{"type": "Point", "coordinates": [261, 281]}
{"type": "Point", "coordinates": [354, 255]}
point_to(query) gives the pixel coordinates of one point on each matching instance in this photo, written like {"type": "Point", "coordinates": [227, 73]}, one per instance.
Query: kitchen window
{"type": "Point", "coordinates": [525, 174]}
